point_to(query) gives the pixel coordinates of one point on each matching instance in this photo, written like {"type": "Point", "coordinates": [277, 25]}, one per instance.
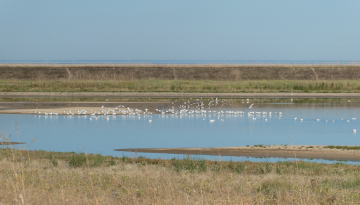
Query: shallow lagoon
{"type": "Point", "coordinates": [74, 133]}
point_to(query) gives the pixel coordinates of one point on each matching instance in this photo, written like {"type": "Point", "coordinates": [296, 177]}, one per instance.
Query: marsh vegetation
{"type": "Point", "coordinates": [40, 177]}
{"type": "Point", "coordinates": [331, 86]}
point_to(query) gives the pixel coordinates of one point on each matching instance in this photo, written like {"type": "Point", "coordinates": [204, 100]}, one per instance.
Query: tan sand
{"type": "Point", "coordinates": [290, 151]}
{"type": "Point", "coordinates": [90, 107]}
{"type": "Point", "coordinates": [11, 143]}
{"type": "Point", "coordinates": [60, 111]}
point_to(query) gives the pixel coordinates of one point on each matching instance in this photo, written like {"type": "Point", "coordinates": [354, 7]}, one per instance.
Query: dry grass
{"type": "Point", "coordinates": [354, 64]}
{"type": "Point", "coordinates": [261, 86]}
{"type": "Point", "coordinates": [39, 177]}
{"type": "Point", "coordinates": [212, 72]}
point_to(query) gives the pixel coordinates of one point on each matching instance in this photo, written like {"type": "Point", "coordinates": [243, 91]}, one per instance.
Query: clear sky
{"type": "Point", "coordinates": [299, 30]}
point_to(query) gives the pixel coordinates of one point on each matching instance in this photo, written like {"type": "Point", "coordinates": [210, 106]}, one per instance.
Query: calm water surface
{"type": "Point", "coordinates": [65, 133]}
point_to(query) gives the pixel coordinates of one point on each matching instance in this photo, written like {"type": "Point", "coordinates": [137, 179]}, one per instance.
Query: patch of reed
{"type": "Point", "coordinates": [262, 86]}
{"type": "Point", "coordinates": [140, 180]}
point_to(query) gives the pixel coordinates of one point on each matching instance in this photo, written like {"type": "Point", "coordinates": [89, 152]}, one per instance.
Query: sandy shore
{"type": "Point", "coordinates": [177, 95]}
{"type": "Point", "coordinates": [11, 143]}
{"type": "Point", "coordinates": [64, 107]}
{"type": "Point", "coordinates": [60, 111]}
{"type": "Point", "coordinates": [290, 151]}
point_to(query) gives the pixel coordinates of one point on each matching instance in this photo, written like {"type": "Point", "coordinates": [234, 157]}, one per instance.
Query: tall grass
{"type": "Point", "coordinates": [336, 86]}
{"type": "Point", "coordinates": [77, 178]}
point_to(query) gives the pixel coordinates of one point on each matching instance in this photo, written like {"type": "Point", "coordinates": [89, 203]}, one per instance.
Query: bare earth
{"type": "Point", "coordinates": [290, 151]}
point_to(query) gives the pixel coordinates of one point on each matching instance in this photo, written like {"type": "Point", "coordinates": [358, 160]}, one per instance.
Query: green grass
{"type": "Point", "coordinates": [302, 86]}
{"type": "Point", "coordinates": [191, 164]}
{"type": "Point", "coordinates": [343, 147]}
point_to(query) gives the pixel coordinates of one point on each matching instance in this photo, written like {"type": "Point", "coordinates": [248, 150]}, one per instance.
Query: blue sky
{"type": "Point", "coordinates": [231, 30]}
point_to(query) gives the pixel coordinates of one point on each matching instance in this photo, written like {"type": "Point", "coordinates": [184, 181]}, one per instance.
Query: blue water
{"type": "Point", "coordinates": [190, 62]}
{"type": "Point", "coordinates": [65, 133]}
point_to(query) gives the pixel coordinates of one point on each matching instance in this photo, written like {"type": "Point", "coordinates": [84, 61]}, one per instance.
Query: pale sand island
{"type": "Point", "coordinates": [59, 111]}
{"type": "Point", "coordinates": [63, 108]}
{"type": "Point", "coordinates": [282, 151]}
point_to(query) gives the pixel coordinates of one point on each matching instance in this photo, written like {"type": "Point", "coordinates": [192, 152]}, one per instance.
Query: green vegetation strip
{"type": "Point", "coordinates": [192, 164]}
{"type": "Point", "coordinates": [343, 147]}
{"type": "Point", "coordinates": [246, 86]}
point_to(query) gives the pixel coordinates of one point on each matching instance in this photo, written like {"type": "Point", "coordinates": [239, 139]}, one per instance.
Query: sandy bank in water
{"type": "Point", "coordinates": [65, 107]}
{"type": "Point", "coordinates": [60, 111]}
{"type": "Point", "coordinates": [290, 151]}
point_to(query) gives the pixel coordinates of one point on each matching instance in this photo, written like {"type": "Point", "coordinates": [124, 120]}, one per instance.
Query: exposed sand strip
{"type": "Point", "coordinates": [11, 143]}
{"type": "Point", "coordinates": [290, 151]}
{"type": "Point", "coordinates": [90, 107]}
{"type": "Point", "coordinates": [60, 111]}
{"type": "Point", "coordinates": [177, 95]}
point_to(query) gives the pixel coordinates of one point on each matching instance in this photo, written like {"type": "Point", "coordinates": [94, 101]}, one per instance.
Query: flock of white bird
{"type": "Point", "coordinates": [196, 108]}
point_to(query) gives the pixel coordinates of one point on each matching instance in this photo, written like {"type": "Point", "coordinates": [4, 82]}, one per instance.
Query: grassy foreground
{"type": "Point", "coordinates": [328, 86]}
{"type": "Point", "coordinates": [40, 177]}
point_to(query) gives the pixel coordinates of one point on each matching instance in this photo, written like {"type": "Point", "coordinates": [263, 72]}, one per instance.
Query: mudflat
{"type": "Point", "coordinates": [289, 151]}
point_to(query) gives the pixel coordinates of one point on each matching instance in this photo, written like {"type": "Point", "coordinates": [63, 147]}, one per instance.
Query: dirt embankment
{"type": "Point", "coordinates": [180, 72]}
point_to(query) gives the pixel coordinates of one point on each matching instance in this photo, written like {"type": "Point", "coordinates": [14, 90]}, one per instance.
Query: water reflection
{"type": "Point", "coordinates": [72, 133]}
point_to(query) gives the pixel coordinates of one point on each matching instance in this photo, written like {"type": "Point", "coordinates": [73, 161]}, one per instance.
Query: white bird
{"type": "Point", "coordinates": [354, 130]}
{"type": "Point", "coordinates": [212, 120]}
{"type": "Point", "coordinates": [251, 106]}
{"type": "Point", "coordinates": [150, 120]}
{"type": "Point", "coordinates": [317, 119]}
